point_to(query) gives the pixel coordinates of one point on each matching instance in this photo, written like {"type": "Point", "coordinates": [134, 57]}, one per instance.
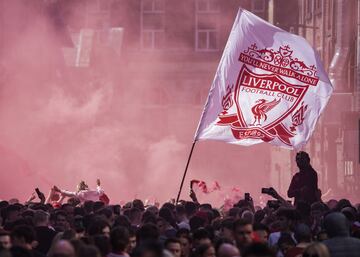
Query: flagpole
{"type": "Point", "coordinates": [186, 168]}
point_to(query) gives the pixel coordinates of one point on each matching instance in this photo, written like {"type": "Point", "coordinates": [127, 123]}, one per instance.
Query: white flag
{"type": "Point", "coordinates": [270, 86]}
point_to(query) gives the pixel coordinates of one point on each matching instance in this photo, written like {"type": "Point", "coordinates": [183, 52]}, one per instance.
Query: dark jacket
{"type": "Point", "coordinates": [340, 243]}
{"type": "Point", "coordinates": [44, 237]}
{"type": "Point", "coordinates": [304, 186]}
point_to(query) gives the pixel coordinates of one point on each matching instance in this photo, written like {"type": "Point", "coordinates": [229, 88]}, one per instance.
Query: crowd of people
{"type": "Point", "coordinates": [70, 224]}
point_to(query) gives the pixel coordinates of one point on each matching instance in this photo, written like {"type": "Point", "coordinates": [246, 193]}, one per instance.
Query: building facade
{"type": "Point", "coordinates": [332, 30]}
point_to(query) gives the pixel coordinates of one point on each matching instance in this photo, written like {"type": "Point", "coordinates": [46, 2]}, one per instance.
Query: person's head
{"type": "Point", "coordinates": [161, 224]}
{"type": "Point", "coordinates": [322, 236]}
{"type": "Point", "coordinates": [137, 203]}
{"type": "Point", "coordinates": [23, 236]}
{"type": "Point", "coordinates": [190, 209]}
{"type": "Point", "coordinates": [316, 250]}
{"type": "Point", "coordinates": [167, 215]}
{"type": "Point", "coordinates": [88, 251]}
{"type": "Point", "coordinates": [62, 248]}
{"type": "Point", "coordinates": [88, 206]}
{"type": "Point", "coordinates": [174, 246]}
{"type": "Point", "coordinates": [153, 209]}
{"type": "Point", "coordinates": [147, 232]}
{"type": "Point", "coordinates": [103, 244]}
{"type": "Point", "coordinates": [336, 225]}
{"type": "Point", "coordinates": [61, 223]}
{"type": "Point", "coordinates": [135, 216]}
{"type": "Point", "coordinates": [5, 241]}
{"type": "Point", "coordinates": [286, 218]}
{"type": "Point", "coordinates": [201, 236]}
{"type": "Point", "coordinates": [119, 238]}
{"type": "Point", "coordinates": [285, 242]}
{"type": "Point", "coordinates": [12, 213]}
{"type": "Point", "coordinates": [226, 228]}
{"type": "Point", "coordinates": [82, 186]}
{"type": "Point", "coordinates": [150, 248]}
{"type": "Point", "coordinates": [243, 230]}
{"type": "Point", "coordinates": [185, 241]}
{"type": "Point", "coordinates": [132, 241]}
{"type": "Point", "coordinates": [258, 250]}
{"type": "Point", "coordinates": [228, 250]}
{"type": "Point", "coordinates": [123, 221]}
{"type": "Point", "coordinates": [99, 227]}
{"type": "Point", "coordinates": [41, 218]}
{"type": "Point", "coordinates": [302, 160]}
{"type": "Point", "coordinates": [303, 233]}
{"type": "Point", "coordinates": [205, 250]}
{"type": "Point", "coordinates": [261, 233]}
{"type": "Point", "coordinates": [196, 222]}
{"type": "Point", "coordinates": [317, 210]}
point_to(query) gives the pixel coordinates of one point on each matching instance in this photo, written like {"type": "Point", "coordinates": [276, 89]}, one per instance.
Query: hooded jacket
{"type": "Point", "coordinates": [340, 243]}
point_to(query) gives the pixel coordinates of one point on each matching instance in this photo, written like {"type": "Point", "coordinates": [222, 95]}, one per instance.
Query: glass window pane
{"type": "Point", "coordinates": [159, 40]}
{"type": "Point", "coordinates": [214, 5]}
{"type": "Point", "coordinates": [258, 5]}
{"type": "Point", "coordinates": [201, 5]}
{"type": "Point", "coordinates": [147, 5]}
{"type": "Point", "coordinates": [153, 21]}
{"type": "Point", "coordinates": [213, 40]}
{"type": "Point", "coordinates": [159, 5]}
{"type": "Point", "coordinates": [207, 21]}
{"type": "Point", "coordinates": [202, 40]}
{"type": "Point", "coordinates": [147, 38]}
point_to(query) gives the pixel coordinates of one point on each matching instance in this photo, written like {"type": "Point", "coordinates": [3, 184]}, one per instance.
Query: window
{"type": "Point", "coordinates": [318, 6]}
{"type": "Point", "coordinates": [98, 5]}
{"type": "Point", "coordinates": [308, 8]}
{"type": "Point", "coordinates": [349, 168]}
{"type": "Point", "coordinates": [258, 7]}
{"type": "Point", "coordinates": [207, 25]}
{"type": "Point", "coordinates": [152, 24]}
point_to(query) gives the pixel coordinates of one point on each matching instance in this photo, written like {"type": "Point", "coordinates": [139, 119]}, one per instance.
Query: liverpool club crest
{"type": "Point", "coordinates": [263, 104]}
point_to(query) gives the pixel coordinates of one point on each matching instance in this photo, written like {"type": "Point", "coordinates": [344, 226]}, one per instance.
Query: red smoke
{"type": "Point", "coordinates": [62, 124]}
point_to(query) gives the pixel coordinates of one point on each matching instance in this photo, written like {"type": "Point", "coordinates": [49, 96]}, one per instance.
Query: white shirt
{"type": "Point", "coordinates": [86, 195]}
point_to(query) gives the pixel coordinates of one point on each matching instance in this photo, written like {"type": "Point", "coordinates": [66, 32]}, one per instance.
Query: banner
{"type": "Point", "coordinates": [270, 86]}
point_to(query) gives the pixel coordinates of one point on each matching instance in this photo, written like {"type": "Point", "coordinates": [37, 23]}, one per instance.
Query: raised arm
{"type": "Point", "coordinates": [64, 192]}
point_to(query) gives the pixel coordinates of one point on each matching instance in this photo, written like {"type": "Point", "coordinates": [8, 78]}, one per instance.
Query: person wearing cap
{"type": "Point", "coordinates": [304, 184]}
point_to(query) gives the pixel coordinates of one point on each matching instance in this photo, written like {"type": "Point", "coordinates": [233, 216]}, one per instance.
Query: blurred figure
{"type": "Point", "coordinates": [243, 232]}
{"type": "Point", "coordinates": [226, 228]}
{"type": "Point", "coordinates": [44, 234]}
{"type": "Point", "coordinates": [228, 250]}
{"type": "Point", "coordinates": [84, 194]}
{"type": "Point", "coordinates": [62, 248]}
{"type": "Point", "coordinates": [340, 243]}
{"type": "Point", "coordinates": [304, 184]}
{"type": "Point", "coordinates": [119, 239]}
{"type": "Point", "coordinates": [258, 250]}
{"type": "Point", "coordinates": [88, 251]}
{"type": "Point", "coordinates": [303, 239]}
{"type": "Point", "coordinates": [205, 250]}
{"type": "Point", "coordinates": [316, 249]}
{"type": "Point", "coordinates": [261, 233]}
{"type": "Point", "coordinates": [173, 245]}
{"type": "Point", "coordinates": [23, 236]}
{"type": "Point", "coordinates": [5, 241]}
{"type": "Point", "coordinates": [185, 245]}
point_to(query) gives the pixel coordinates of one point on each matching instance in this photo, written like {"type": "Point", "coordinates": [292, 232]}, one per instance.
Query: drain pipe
{"type": "Point", "coordinates": [357, 82]}
{"type": "Point", "coordinates": [344, 27]}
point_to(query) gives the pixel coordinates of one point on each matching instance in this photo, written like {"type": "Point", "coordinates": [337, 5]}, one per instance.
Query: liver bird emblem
{"type": "Point", "coordinates": [261, 108]}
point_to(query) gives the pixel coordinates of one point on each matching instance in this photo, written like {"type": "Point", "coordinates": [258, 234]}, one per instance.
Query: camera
{"type": "Point", "coordinates": [274, 204]}
{"type": "Point", "coordinates": [266, 190]}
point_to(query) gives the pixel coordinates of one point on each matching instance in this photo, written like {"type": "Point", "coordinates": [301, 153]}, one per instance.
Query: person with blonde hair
{"type": "Point", "coordinates": [84, 194]}
{"type": "Point", "coordinates": [316, 250]}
